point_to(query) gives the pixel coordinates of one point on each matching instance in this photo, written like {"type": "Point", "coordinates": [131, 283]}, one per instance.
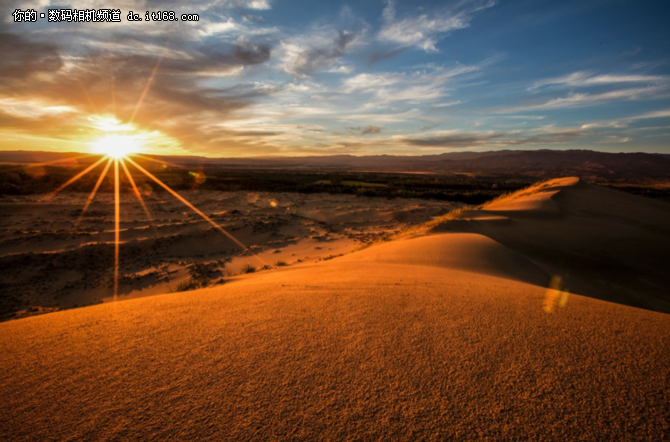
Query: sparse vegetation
{"type": "Point", "coordinates": [454, 215]}
{"type": "Point", "coordinates": [201, 275]}
{"type": "Point", "coordinates": [248, 268]}
{"type": "Point", "coordinates": [187, 285]}
{"type": "Point", "coordinates": [18, 180]}
{"type": "Point", "coordinates": [280, 263]}
{"type": "Point", "coordinates": [351, 183]}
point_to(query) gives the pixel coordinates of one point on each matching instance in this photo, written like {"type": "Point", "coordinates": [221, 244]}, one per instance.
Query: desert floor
{"type": "Point", "coordinates": [50, 262]}
{"type": "Point", "coordinates": [445, 333]}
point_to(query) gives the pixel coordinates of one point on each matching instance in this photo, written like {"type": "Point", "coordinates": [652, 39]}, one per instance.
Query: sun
{"type": "Point", "coordinates": [117, 149]}
{"type": "Point", "coordinates": [116, 146]}
{"type": "Point", "coordinates": [118, 139]}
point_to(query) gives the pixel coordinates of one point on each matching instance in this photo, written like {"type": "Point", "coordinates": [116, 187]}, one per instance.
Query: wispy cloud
{"type": "Point", "coordinates": [369, 130]}
{"type": "Point", "coordinates": [649, 115]}
{"type": "Point", "coordinates": [425, 30]}
{"type": "Point", "coordinates": [452, 140]}
{"type": "Point", "coordinates": [585, 99]}
{"type": "Point", "coordinates": [583, 79]}
{"type": "Point", "coordinates": [624, 123]}
{"type": "Point", "coordinates": [322, 47]}
{"type": "Point", "coordinates": [457, 140]}
{"type": "Point", "coordinates": [429, 84]}
{"type": "Point", "coordinates": [302, 56]}
{"type": "Point", "coordinates": [614, 139]}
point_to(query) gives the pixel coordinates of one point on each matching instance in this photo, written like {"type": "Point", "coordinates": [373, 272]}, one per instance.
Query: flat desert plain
{"type": "Point", "coordinates": [540, 316]}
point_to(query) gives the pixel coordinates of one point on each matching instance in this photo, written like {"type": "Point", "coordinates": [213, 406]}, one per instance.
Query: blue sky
{"type": "Point", "coordinates": [288, 77]}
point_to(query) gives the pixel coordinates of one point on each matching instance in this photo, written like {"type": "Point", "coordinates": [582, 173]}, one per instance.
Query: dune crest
{"type": "Point", "coordinates": [537, 199]}
{"type": "Point", "coordinates": [459, 251]}
{"type": "Point", "coordinates": [601, 242]}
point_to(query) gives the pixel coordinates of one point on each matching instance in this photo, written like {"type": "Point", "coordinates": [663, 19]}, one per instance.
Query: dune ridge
{"type": "Point", "coordinates": [600, 242]}
{"type": "Point", "coordinates": [444, 336]}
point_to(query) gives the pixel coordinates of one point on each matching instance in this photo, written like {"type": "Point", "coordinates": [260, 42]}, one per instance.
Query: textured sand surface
{"type": "Point", "coordinates": [47, 262]}
{"type": "Point", "coordinates": [402, 341]}
{"type": "Point", "coordinates": [600, 242]}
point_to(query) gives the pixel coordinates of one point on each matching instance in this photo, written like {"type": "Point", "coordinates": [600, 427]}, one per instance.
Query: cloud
{"type": "Point", "coordinates": [455, 140]}
{"type": "Point", "coordinates": [313, 58]}
{"type": "Point", "coordinates": [392, 116]}
{"type": "Point", "coordinates": [525, 117]}
{"type": "Point", "coordinates": [641, 87]}
{"type": "Point", "coordinates": [425, 30]}
{"type": "Point", "coordinates": [227, 26]}
{"type": "Point", "coordinates": [385, 54]}
{"type": "Point", "coordinates": [369, 130]}
{"type": "Point", "coordinates": [367, 82]}
{"type": "Point", "coordinates": [341, 69]}
{"type": "Point", "coordinates": [249, 53]}
{"type": "Point", "coordinates": [22, 57]}
{"type": "Point", "coordinates": [255, 4]}
{"type": "Point", "coordinates": [583, 79]}
{"type": "Point", "coordinates": [449, 104]}
{"type": "Point", "coordinates": [428, 84]}
{"type": "Point", "coordinates": [614, 139]}
{"type": "Point", "coordinates": [260, 5]}
{"type": "Point", "coordinates": [427, 74]}
{"type": "Point", "coordinates": [32, 108]}
{"type": "Point", "coordinates": [585, 99]}
{"type": "Point", "coordinates": [656, 114]}
{"type": "Point", "coordinates": [320, 50]}
{"type": "Point", "coordinates": [561, 136]}
{"type": "Point", "coordinates": [623, 123]}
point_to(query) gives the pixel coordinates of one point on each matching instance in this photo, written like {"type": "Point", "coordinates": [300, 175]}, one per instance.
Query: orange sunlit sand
{"type": "Point", "coordinates": [448, 327]}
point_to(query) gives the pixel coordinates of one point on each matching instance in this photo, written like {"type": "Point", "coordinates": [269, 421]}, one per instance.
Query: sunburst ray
{"type": "Point", "coordinates": [95, 190]}
{"type": "Point", "coordinates": [76, 177]}
{"type": "Point", "coordinates": [195, 209]}
{"type": "Point", "coordinates": [138, 195]}
{"type": "Point", "coordinates": [147, 86]}
{"type": "Point", "coordinates": [47, 163]}
{"type": "Point", "coordinates": [147, 158]}
{"type": "Point", "coordinates": [117, 222]}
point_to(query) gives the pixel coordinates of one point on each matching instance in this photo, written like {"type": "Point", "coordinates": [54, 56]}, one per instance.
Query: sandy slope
{"type": "Point", "coordinates": [409, 340]}
{"type": "Point", "coordinates": [600, 242]}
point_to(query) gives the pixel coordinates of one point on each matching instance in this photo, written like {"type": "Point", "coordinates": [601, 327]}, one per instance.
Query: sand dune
{"type": "Point", "coordinates": [450, 336]}
{"type": "Point", "coordinates": [600, 242]}
{"type": "Point", "coordinates": [458, 251]}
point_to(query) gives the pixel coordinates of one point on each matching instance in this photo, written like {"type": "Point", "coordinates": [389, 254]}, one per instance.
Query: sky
{"type": "Point", "coordinates": [292, 78]}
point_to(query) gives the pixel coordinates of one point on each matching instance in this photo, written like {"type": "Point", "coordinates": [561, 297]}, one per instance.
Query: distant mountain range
{"type": "Point", "coordinates": [527, 163]}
